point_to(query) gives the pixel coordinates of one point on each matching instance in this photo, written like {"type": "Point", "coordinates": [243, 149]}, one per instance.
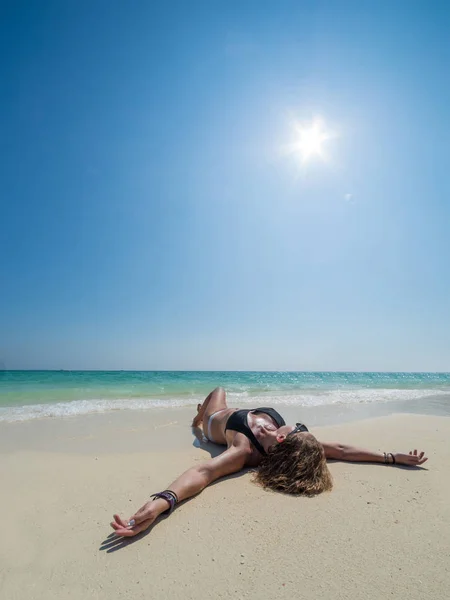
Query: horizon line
{"type": "Point", "coordinates": [220, 371]}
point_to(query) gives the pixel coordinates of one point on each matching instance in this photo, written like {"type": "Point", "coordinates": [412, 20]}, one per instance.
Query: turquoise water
{"type": "Point", "coordinates": [32, 394]}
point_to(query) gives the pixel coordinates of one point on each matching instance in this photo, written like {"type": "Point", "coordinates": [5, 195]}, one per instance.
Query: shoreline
{"type": "Point", "coordinates": [329, 396]}
{"type": "Point", "coordinates": [181, 416]}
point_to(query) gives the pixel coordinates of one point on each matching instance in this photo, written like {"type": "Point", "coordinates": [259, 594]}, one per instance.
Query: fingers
{"type": "Point", "coordinates": [133, 524]}
{"type": "Point", "coordinates": [118, 519]}
{"type": "Point", "coordinates": [120, 523]}
{"type": "Point", "coordinates": [421, 458]}
{"type": "Point", "coordinates": [130, 532]}
{"type": "Point", "coordinates": [412, 459]}
{"type": "Point", "coordinates": [137, 518]}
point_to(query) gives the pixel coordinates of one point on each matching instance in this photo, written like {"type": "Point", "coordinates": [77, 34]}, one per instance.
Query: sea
{"type": "Point", "coordinates": [27, 395]}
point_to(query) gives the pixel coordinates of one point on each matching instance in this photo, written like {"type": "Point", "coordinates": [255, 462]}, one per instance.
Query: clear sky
{"type": "Point", "coordinates": [151, 217]}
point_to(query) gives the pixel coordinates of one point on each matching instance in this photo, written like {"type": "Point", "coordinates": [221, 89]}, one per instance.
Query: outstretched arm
{"type": "Point", "coordinates": [352, 453]}
{"type": "Point", "coordinates": [190, 483]}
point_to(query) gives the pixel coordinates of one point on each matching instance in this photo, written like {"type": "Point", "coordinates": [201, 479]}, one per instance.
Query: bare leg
{"type": "Point", "coordinates": [215, 401]}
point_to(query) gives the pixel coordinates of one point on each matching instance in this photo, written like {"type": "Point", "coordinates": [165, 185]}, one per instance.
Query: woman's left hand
{"type": "Point", "coordinates": [413, 459]}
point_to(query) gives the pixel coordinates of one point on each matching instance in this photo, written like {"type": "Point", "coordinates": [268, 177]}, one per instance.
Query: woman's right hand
{"type": "Point", "coordinates": [141, 520]}
{"type": "Point", "coordinates": [413, 459]}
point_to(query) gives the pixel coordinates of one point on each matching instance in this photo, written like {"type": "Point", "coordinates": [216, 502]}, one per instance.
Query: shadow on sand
{"type": "Point", "coordinates": [113, 542]}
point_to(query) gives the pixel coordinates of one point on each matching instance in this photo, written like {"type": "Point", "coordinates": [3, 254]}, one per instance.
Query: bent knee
{"type": "Point", "coordinates": [219, 390]}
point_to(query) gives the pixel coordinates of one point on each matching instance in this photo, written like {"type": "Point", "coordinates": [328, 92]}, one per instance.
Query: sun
{"type": "Point", "coordinates": [310, 139]}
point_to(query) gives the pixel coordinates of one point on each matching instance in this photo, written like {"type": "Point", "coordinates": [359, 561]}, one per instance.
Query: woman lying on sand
{"type": "Point", "coordinates": [290, 459]}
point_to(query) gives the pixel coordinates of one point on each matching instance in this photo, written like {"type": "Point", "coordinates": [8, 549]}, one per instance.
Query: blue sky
{"type": "Point", "coordinates": [151, 218]}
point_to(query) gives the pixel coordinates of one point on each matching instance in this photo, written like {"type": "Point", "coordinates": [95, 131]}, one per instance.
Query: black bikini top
{"type": "Point", "coordinates": [238, 422]}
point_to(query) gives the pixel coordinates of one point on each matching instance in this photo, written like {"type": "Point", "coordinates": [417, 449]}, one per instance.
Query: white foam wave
{"type": "Point", "coordinates": [340, 396]}
{"type": "Point", "coordinates": [301, 398]}
{"type": "Point", "coordinates": [84, 407]}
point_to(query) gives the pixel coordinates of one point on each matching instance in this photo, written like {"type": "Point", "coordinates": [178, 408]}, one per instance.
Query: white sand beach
{"type": "Point", "coordinates": [383, 532]}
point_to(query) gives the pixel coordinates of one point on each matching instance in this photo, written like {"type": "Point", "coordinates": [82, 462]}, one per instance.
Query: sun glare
{"type": "Point", "coordinates": [310, 140]}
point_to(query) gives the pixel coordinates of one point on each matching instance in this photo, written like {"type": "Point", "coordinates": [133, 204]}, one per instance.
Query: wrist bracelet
{"type": "Point", "coordinates": [386, 458]}
{"type": "Point", "coordinates": [173, 494]}
{"type": "Point", "coordinates": [171, 498]}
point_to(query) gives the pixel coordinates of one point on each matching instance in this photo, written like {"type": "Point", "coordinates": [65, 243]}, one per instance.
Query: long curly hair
{"type": "Point", "coordinates": [295, 466]}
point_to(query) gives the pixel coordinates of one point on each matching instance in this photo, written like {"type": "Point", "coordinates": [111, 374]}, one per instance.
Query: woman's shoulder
{"type": "Point", "coordinates": [245, 448]}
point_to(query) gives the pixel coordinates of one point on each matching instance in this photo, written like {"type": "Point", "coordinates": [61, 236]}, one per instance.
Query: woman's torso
{"type": "Point", "coordinates": [230, 437]}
